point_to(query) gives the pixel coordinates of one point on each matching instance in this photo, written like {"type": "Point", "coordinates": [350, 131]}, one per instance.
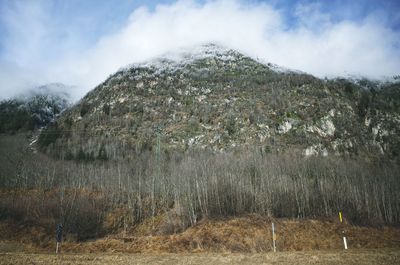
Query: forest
{"type": "Point", "coordinates": [187, 187]}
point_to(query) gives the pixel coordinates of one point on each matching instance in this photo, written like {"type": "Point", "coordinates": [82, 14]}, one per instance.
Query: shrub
{"type": "Point", "coordinates": [85, 107]}
{"type": "Point", "coordinates": [230, 125]}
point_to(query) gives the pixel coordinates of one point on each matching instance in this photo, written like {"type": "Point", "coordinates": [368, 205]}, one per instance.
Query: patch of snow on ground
{"type": "Point", "coordinates": [172, 61]}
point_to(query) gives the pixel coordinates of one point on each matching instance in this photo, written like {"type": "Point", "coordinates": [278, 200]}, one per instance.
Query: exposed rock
{"type": "Point", "coordinates": [284, 127]}
{"type": "Point", "coordinates": [220, 99]}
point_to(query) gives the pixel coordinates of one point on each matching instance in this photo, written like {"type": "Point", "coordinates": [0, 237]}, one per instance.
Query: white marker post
{"type": "Point", "coordinates": [273, 236]}
{"type": "Point", "coordinates": [344, 237]}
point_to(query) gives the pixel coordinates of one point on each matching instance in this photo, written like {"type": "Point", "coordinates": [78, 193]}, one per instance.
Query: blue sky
{"type": "Point", "coordinates": [354, 10]}
{"type": "Point", "coordinates": [82, 42]}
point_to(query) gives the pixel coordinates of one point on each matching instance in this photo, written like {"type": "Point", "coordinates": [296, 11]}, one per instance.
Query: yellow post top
{"type": "Point", "coordinates": [340, 216]}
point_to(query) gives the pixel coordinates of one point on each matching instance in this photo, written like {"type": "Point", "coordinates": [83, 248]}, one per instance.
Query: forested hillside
{"type": "Point", "coordinates": [32, 111]}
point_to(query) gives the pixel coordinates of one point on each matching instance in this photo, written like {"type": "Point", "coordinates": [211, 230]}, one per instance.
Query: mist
{"type": "Point", "coordinates": [38, 50]}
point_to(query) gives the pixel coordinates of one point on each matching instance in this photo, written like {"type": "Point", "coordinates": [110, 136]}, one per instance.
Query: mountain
{"type": "Point", "coordinates": [211, 97]}
{"type": "Point", "coordinates": [34, 109]}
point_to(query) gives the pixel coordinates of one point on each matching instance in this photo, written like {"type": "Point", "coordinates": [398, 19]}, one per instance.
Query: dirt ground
{"type": "Point", "coordinates": [371, 256]}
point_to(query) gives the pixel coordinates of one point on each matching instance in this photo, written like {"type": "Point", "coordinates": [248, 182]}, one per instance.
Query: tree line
{"type": "Point", "coordinates": [201, 184]}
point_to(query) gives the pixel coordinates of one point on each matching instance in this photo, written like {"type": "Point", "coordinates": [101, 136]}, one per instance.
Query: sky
{"type": "Point", "coordinates": [81, 43]}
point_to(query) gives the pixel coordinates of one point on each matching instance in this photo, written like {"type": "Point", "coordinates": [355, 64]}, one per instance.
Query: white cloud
{"type": "Point", "coordinates": [316, 45]}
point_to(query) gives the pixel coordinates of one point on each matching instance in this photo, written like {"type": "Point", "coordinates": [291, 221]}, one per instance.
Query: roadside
{"type": "Point", "coordinates": [367, 257]}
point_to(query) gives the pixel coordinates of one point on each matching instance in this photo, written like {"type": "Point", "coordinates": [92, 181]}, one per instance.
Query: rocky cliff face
{"type": "Point", "coordinates": [219, 99]}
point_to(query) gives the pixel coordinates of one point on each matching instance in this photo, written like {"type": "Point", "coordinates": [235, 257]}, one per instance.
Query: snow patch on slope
{"type": "Point", "coordinates": [177, 59]}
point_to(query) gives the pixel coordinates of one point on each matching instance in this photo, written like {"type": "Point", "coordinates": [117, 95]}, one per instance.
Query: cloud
{"type": "Point", "coordinates": [317, 44]}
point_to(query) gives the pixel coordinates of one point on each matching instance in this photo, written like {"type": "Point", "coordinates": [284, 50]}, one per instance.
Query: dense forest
{"type": "Point", "coordinates": [29, 113]}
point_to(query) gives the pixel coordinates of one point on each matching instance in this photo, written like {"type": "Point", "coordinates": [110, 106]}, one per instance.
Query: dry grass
{"type": "Point", "coordinates": [244, 240]}
{"type": "Point", "coordinates": [248, 234]}
{"type": "Point", "coordinates": [367, 257]}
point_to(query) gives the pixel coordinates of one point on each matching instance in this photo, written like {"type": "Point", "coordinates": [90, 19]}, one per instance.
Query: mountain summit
{"type": "Point", "coordinates": [216, 98]}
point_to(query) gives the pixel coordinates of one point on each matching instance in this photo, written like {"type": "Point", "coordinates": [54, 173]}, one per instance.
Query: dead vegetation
{"type": "Point", "coordinates": [199, 202]}
{"type": "Point", "coordinates": [250, 234]}
{"type": "Point", "coordinates": [247, 234]}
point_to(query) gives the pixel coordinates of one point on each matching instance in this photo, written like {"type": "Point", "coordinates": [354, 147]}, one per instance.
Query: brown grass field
{"type": "Point", "coordinates": [371, 256]}
{"type": "Point", "coordinates": [240, 240]}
